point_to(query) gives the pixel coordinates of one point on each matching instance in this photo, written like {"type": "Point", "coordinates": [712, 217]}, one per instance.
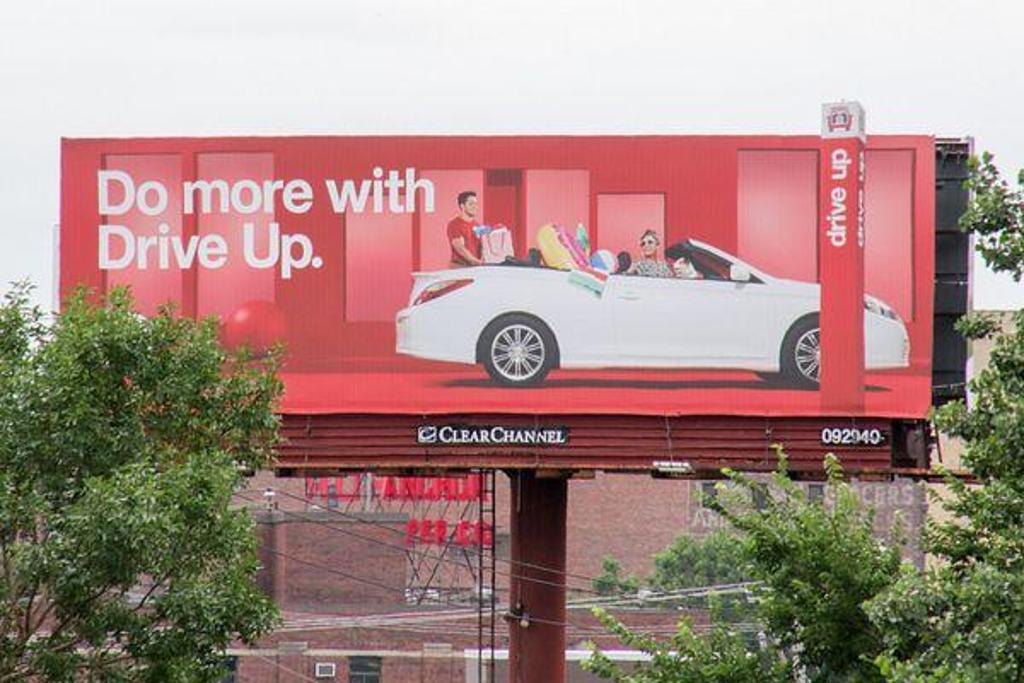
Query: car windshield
{"type": "Point", "coordinates": [710, 266]}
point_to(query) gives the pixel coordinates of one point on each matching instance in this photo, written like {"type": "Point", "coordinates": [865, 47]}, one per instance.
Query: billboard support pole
{"type": "Point", "coordinates": [841, 258]}
{"type": "Point", "coordinates": [537, 598]}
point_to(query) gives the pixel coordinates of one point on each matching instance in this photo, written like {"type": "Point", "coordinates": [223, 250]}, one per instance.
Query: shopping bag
{"type": "Point", "coordinates": [496, 245]}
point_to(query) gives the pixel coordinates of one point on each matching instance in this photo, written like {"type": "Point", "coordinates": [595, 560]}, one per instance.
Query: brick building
{"type": "Point", "coordinates": [361, 589]}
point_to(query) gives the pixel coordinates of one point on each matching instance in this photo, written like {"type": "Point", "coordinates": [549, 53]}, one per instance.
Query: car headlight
{"type": "Point", "coordinates": [873, 305]}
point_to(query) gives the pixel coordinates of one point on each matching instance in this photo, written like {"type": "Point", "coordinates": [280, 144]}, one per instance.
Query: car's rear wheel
{"type": "Point", "coordinates": [517, 350]}
{"type": "Point", "coordinates": [801, 353]}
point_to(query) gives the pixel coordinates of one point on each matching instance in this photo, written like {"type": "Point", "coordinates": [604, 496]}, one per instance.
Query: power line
{"type": "Point", "coordinates": [385, 619]}
{"type": "Point", "coordinates": [332, 570]}
{"type": "Point", "coordinates": [580, 629]}
{"type": "Point", "coordinates": [667, 596]}
{"type": "Point", "coordinates": [542, 567]}
{"type": "Point", "coordinates": [600, 600]}
{"type": "Point", "coordinates": [522, 563]}
{"type": "Point", "coordinates": [459, 614]}
{"type": "Point", "coordinates": [440, 558]}
{"type": "Point", "coordinates": [404, 549]}
{"type": "Point", "coordinates": [456, 615]}
{"type": "Point", "coordinates": [469, 631]}
{"type": "Point", "coordinates": [609, 601]}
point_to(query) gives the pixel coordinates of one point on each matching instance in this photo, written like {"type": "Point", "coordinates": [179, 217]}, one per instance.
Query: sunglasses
{"type": "Point", "coordinates": [649, 241]}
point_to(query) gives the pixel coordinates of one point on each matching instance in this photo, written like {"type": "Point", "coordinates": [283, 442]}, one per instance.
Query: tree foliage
{"type": "Point", "coordinates": [689, 562]}
{"type": "Point", "coordinates": [720, 656]}
{"type": "Point", "coordinates": [611, 580]}
{"type": "Point", "coordinates": [817, 563]}
{"type": "Point", "coordinates": [962, 621]}
{"type": "Point", "coordinates": [121, 443]}
{"type": "Point", "coordinates": [995, 216]}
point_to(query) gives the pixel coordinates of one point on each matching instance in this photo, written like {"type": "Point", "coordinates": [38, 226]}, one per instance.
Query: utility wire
{"type": "Point", "coordinates": [440, 558]}
{"type": "Point", "coordinates": [667, 596]}
{"type": "Point", "coordinates": [332, 570]}
{"type": "Point", "coordinates": [459, 614]}
{"type": "Point", "coordinates": [600, 600]}
{"type": "Point", "coordinates": [581, 629]}
{"type": "Point", "coordinates": [469, 632]}
{"type": "Point", "coordinates": [405, 549]}
{"type": "Point", "coordinates": [522, 563]}
{"type": "Point", "coordinates": [609, 600]}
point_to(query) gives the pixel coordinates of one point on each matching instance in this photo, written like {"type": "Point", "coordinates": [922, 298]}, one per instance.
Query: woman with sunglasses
{"type": "Point", "coordinates": [649, 265]}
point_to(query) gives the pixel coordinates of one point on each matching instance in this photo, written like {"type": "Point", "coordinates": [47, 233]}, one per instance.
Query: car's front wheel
{"type": "Point", "coordinates": [517, 350]}
{"type": "Point", "coordinates": [801, 353]}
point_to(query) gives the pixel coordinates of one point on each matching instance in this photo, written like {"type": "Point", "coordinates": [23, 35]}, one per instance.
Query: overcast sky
{"type": "Point", "coordinates": [136, 68]}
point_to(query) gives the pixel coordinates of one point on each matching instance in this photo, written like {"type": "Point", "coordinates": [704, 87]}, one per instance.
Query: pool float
{"type": "Point", "coordinates": [582, 238]}
{"type": "Point", "coordinates": [589, 280]}
{"type": "Point", "coordinates": [554, 253]}
{"type": "Point", "coordinates": [569, 241]}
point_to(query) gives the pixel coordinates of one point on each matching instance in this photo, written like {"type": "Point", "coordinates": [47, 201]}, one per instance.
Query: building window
{"type": "Point", "coordinates": [364, 669]}
{"type": "Point", "coordinates": [815, 492]}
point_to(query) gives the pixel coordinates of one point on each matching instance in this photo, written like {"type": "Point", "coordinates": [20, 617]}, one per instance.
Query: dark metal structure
{"type": "Point", "coordinates": [698, 445]}
{"type": "Point", "coordinates": [952, 269]}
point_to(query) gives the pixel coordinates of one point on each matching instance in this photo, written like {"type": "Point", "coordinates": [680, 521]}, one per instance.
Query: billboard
{"type": "Point", "coordinates": [654, 275]}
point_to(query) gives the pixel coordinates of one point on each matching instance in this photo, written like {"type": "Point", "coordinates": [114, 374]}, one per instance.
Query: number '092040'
{"type": "Point", "coordinates": [852, 436]}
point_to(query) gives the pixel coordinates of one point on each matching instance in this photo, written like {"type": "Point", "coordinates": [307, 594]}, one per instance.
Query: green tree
{"type": "Point", "coordinates": [719, 656]}
{"type": "Point", "coordinates": [611, 581]}
{"type": "Point", "coordinates": [817, 563]}
{"type": "Point", "coordinates": [122, 439]}
{"type": "Point", "coordinates": [962, 621]}
{"type": "Point", "coordinates": [995, 216]}
{"type": "Point", "coordinates": [713, 560]}
{"type": "Point", "coordinates": [689, 562]}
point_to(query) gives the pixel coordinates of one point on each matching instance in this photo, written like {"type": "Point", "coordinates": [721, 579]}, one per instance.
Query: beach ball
{"type": "Point", "coordinates": [603, 260]}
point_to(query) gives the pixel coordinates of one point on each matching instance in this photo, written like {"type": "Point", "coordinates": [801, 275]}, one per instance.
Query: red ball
{"type": "Point", "coordinates": [256, 324]}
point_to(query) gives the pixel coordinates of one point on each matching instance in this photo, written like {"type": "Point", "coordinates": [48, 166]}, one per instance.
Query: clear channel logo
{"type": "Point", "coordinates": [426, 435]}
{"type": "Point", "coordinates": [492, 435]}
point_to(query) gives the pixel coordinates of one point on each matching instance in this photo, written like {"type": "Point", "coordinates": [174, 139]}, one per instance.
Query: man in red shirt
{"type": "Point", "coordinates": [464, 241]}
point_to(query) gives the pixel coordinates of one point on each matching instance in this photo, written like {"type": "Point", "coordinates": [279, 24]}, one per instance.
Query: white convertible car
{"type": "Point", "coordinates": [520, 322]}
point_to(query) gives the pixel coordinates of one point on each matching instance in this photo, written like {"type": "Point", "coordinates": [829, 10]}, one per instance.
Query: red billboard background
{"type": "Point", "coordinates": [755, 197]}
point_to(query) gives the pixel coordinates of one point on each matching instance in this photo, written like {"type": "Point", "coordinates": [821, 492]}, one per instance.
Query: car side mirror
{"type": "Point", "coordinates": [739, 273]}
